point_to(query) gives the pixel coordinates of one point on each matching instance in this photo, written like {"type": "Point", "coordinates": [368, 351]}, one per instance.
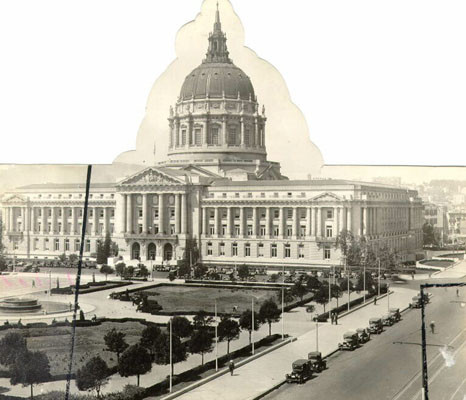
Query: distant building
{"type": "Point", "coordinates": [457, 224]}
{"type": "Point", "coordinates": [217, 190]}
{"type": "Point", "coordinates": [436, 215]}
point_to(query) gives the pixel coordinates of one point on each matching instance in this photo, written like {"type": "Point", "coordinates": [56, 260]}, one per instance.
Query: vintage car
{"type": "Point", "coordinates": [317, 363]}
{"type": "Point", "coordinates": [350, 341]}
{"type": "Point", "coordinates": [363, 335]}
{"type": "Point", "coordinates": [387, 320]}
{"type": "Point", "coordinates": [375, 325]}
{"type": "Point", "coordinates": [395, 313]}
{"type": "Point", "coordinates": [301, 371]}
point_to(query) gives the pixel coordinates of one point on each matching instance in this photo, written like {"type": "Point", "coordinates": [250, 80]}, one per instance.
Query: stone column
{"type": "Point", "coordinates": [129, 213]}
{"type": "Point", "coordinates": [106, 220]}
{"type": "Point", "coordinates": [64, 220]}
{"type": "Point", "coordinates": [96, 221]}
{"type": "Point", "coordinates": [254, 221]}
{"type": "Point", "coordinates": [228, 222]}
{"type": "Point", "coordinates": [308, 221]}
{"type": "Point", "coordinates": [73, 220]}
{"type": "Point", "coordinates": [161, 213]}
{"type": "Point", "coordinates": [256, 133]}
{"type": "Point", "coordinates": [243, 143]}
{"type": "Point", "coordinates": [295, 223]}
{"type": "Point", "coordinates": [319, 222]}
{"type": "Point", "coordinates": [349, 220]}
{"type": "Point", "coordinates": [44, 220]}
{"type": "Point", "coordinates": [224, 132]}
{"type": "Point", "coordinates": [144, 213]}
{"type": "Point", "coordinates": [281, 223]}
{"type": "Point", "coordinates": [313, 221]}
{"type": "Point", "coordinates": [364, 220]}
{"type": "Point", "coordinates": [337, 213]}
{"type": "Point", "coordinates": [177, 213]}
{"type": "Point", "coordinates": [26, 219]}
{"type": "Point", "coordinates": [184, 213]}
{"type": "Point", "coordinates": [217, 221]}
{"type": "Point", "coordinates": [120, 211]}
{"type": "Point", "coordinates": [267, 221]}
{"type": "Point", "coordinates": [241, 222]}
{"type": "Point", "coordinates": [205, 220]}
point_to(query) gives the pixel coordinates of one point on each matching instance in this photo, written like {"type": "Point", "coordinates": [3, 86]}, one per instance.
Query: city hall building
{"type": "Point", "coordinates": [217, 191]}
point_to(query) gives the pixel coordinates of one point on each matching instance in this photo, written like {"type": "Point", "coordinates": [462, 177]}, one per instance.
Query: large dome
{"type": "Point", "coordinates": [216, 79]}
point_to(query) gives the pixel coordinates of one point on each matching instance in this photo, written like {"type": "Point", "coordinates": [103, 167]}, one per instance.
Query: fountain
{"type": "Point", "coordinates": [19, 305]}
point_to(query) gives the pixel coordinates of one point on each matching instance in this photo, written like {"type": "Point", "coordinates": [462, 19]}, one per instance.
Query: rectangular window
{"type": "Point", "coordinates": [49, 227]}
{"type": "Point", "coordinates": [232, 136]}
{"type": "Point", "coordinates": [112, 213]}
{"type": "Point", "coordinates": [101, 228]}
{"type": "Point", "coordinates": [289, 213]}
{"type": "Point", "coordinates": [46, 244]}
{"type": "Point", "coordinates": [156, 213]}
{"type": "Point", "coordinates": [276, 230]}
{"type": "Point", "coordinates": [262, 195]}
{"type": "Point", "coordinates": [221, 249]}
{"type": "Point", "coordinates": [327, 253]}
{"type": "Point", "coordinates": [247, 137]}
{"type": "Point", "coordinates": [39, 212]}
{"type": "Point", "coordinates": [49, 212]}
{"type": "Point", "coordinates": [247, 250]}
{"type": "Point", "coordinates": [59, 226]}
{"type": "Point", "coordinates": [36, 244]}
{"type": "Point", "coordinates": [302, 231]}
{"type": "Point", "coordinates": [209, 249]}
{"type": "Point", "coordinates": [276, 213]}
{"type": "Point", "coordinates": [211, 229]}
{"type": "Point", "coordinates": [262, 230]}
{"type": "Point", "coordinates": [140, 212]}
{"type": "Point", "coordinates": [289, 230]}
{"type": "Point", "coordinates": [260, 250]}
{"type": "Point", "coordinates": [88, 246]}
{"type": "Point", "coordinates": [328, 231]}
{"type": "Point", "coordinates": [19, 227]}
{"type": "Point", "coordinates": [76, 245]}
{"type": "Point", "coordinates": [197, 136]}
{"type": "Point", "coordinates": [183, 137]}
{"type": "Point", "coordinates": [139, 228]}
{"type": "Point", "coordinates": [301, 251]}
{"type": "Point", "coordinates": [234, 249]}
{"type": "Point", "coordinates": [249, 230]}
{"type": "Point", "coordinates": [156, 229]}
{"type": "Point", "coordinates": [172, 212]}
{"type": "Point", "coordinates": [39, 226]}
{"type": "Point", "coordinates": [273, 250]}
{"type": "Point", "coordinates": [329, 214]}
{"type": "Point", "coordinates": [91, 212]}
{"type": "Point", "coordinates": [287, 251]}
{"type": "Point", "coordinates": [67, 244]}
{"type": "Point", "coordinates": [80, 212]}
{"type": "Point", "coordinates": [224, 229]}
{"type": "Point", "coordinates": [172, 229]}
{"type": "Point", "coordinates": [236, 230]}
{"type": "Point", "coordinates": [59, 212]}
{"type": "Point", "coordinates": [70, 212]}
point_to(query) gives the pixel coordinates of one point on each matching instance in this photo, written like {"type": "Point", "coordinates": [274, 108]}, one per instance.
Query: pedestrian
{"type": "Point", "coordinates": [375, 300]}
{"type": "Point", "coordinates": [457, 293]}
{"type": "Point", "coordinates": [231, 367]}
{"type": "Point", "coordinates": [432, 326]}
{"type": "Point", "coordinates": [33, 283]}
{"type": "Point", "coordinates": [336, 318]}
{"type": "Point", "coordinates": [332, 317]}
{"type": "Point", "coordinates": [412, 275]}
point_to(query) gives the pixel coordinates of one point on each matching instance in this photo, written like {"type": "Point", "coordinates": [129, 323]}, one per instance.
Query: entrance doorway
{"type": "Point", "coordinates": [167, 252]}
{"type": "Point", "coordinates": [151, 251]}
{"type": "Point", "coordinates": [135, 251]}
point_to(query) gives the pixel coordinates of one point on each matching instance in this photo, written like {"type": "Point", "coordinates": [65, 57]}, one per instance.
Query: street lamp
{"type": "Point", "coordinates": [348, 284]}
{"type": "Point", "coordinates": [216, 338]}
{"type": "Point", "coordinates": [252, 325]}
{"type": "Point", "coordinates": [171, 354]}
{"type": "Point", "coordinates": [283, 303]}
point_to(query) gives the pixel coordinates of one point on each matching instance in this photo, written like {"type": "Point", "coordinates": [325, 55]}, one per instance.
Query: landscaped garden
{"type": "Point", "coordinates": [190, 299]}
{"type": "Point", "coordinates": [437, 263]}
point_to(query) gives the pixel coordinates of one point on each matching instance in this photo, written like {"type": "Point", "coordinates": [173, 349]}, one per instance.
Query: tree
{"type": "Point", "coordinates": [321, 296]}
{"type": "Point", "coordinates": [336, 292]}
{"type": "Point", "coordinates": [228, 329]}
{"type": "Point", "coordinates": [115, 342]}
{"type": "Point", "coordinates": [120, 268]}
{"type": "Point", "coordinates": [171, 276]}
{"type": "Point", "coordinates": [200, 271]}
{"type": "Point", "coordinates": [273, 278]}
{"type": "Point", "coordinates": [243, 272]}
{"type": "Point", "coordinates": [11, 345]}
{"type": "Point", "coordinates": [245, 322]}
{"type": "Point", "coordinates": [73, 258]}
{"type": "Point", "coordinates": [288, 296]}
{"type": "Point", "coordinates": [162, 350]}
{"type": "Point", "coordinates": [149, 338]}
{"type": "Point", "coordinates": [101, 257]}
{"type": "Point", "coordinates": [201, 342]}
{"type": "Point", "coordinates": [181, 326]}
{"type": "Point", "coordinates": [269, 313]}
{"type": "Point", "coordinates": [29, 369]}
{"type": "Point", "coordinates": [135, 361]}
{"type": "Point", "coordinates": [299, 290]}
{"type": "Point", "coordinates": [313, 283]}
{"type": "Point", "coordinates": [81, 315]}
{"type": "Point", "coordinates": [107, 246]}
{"type": "Point", "coordinates": [202, 320]}
{"type": "Point", "coordinates": [129, 272]}
{"type": "Point", "coordinates": [369, 282]}
{"type": "Point", "coordinates": [184, 270]}
{"type": "Point", "coordinates": [62, 258]}
{"type": "Point", "coordinates": [93, 375]}
{"type": "Point", "coordinates": [143, 271]}
{"type": "Point", "coordinates": [106, 269]}
{"type": "Point", "coordinates": [344, 285]}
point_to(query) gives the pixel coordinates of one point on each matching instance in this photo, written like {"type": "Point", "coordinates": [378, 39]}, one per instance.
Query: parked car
{"type": "Point", "coordinates": [375, 325]}
{"type": "Point", "coordinates": [363, 335]}
{"type": "Point", "coordinates": [387, 320]}
{"type": "Point", "coordinates": [395, 313]}
{"type": "Point", "coordinates": [350, 341]}
{"type": "Point", "coordinates": [301, 371]}
{"type": "Point", "coordinates": [317, 363]}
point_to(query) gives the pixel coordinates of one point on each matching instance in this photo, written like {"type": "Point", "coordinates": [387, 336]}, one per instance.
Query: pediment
{"type": "Point", "coordinates": [152, 176]}
{"type": "Point", "coordinates": [14, 198]}
{"type": "Point", "coordinates": [200, 171]}
{"type": "Point", "coordinates": [327, 197]}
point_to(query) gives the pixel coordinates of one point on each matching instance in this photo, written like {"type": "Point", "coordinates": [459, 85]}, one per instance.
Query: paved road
{"type": "Point", "coordinates": [384, 370]}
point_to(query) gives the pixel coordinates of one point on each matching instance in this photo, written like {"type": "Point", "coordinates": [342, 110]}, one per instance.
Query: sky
{"type": "Point", "coordinates": [377, 82]}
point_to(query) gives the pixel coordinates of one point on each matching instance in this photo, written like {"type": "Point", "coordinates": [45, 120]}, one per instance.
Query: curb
{"type": "Point", "coordinates": [367, 303]}
{"type": "Point", "coordinates": [226, 370]}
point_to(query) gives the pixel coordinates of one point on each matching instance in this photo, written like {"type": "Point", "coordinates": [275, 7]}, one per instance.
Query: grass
{"type": "Point", "coordinates": [438, 263]}
{"type": "Point", "coordinates": [89, 341]}
{"type": "Point", "coordinates": [193, 298]}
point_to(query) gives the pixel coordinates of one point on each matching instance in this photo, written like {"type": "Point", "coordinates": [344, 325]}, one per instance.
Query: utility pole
{"type": "Point", "coordinates": [378, 278]}
{"type": "Point", "coordinates": [252, 325]}
{"type": "Point", "coordinates": [348, 283]}
{"type": "Point", "coordinates": [283, 303]}
{"type": "Point", "coordinates": [171, 354]}
{"type": "Point", "coordinates": [216, 338]}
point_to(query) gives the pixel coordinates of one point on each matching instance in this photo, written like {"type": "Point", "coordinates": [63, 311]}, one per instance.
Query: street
{"type": "Point", "coordinates": [382, 369]}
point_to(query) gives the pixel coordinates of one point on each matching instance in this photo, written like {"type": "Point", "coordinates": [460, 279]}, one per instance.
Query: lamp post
{"type": "Point", "coordinates": [283, 303]}
{"type": "Point", "coordinates": [378, 279]}
{"type": "Point", "coordinates": [216, 338]}
{"type": "Point", "coordinates": [317, 335]}
{"type": "Point", "coordinates": [252, 325]}
{"type": "Point", "coordinates": [388, 298]}
{"type": "Point", "coordinates": [171, 354]}
{"type": "Point", "coordinates": [348, 284]}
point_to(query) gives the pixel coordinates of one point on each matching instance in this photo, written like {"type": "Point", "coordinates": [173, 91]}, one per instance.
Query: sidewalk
{"type": "Point", "coordinates": [255, 378]}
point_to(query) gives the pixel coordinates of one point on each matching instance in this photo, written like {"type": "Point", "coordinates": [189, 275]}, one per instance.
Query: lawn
{"type": "Point", "coordinates": [195, 298]}
{"type": "Point", "coordinates": [89, 341]}
{"type": "Point", "coordinates": [438, 263]}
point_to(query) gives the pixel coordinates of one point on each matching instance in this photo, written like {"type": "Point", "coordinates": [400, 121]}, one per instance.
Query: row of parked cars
{"type": "Point", "coordinates": [354, 339]}
{"type": "Point", "coordinates": [303, 369]}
